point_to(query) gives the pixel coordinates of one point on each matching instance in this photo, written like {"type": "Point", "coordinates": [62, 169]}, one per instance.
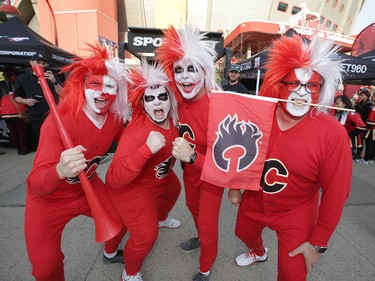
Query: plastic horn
{"type": "Point", "coordinates": [106, 227]}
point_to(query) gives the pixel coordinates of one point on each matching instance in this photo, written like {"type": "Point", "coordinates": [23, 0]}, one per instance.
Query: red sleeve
{"type": "Point", "coordinates": [131, 155]}
{"type": "Point", "coordinates": [335, 180]}
{"type": "Point", "coordinates": [43, 178]}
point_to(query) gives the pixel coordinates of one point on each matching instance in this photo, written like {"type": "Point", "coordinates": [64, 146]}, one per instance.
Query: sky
{"type": "Point", "coordinates": [365, 17]}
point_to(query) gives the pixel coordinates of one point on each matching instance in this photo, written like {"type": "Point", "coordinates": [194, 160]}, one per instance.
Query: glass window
{"type": "Point", "coordinates": [328, 23]}
{"type": "Point", "coordinates": [282, 7]}
{"type": "Point", "coordinates": [322, 19]}
{"type": "Point", "coordinates": [334, 28]}
{"type": "Point", "coordinates": [295, 10]}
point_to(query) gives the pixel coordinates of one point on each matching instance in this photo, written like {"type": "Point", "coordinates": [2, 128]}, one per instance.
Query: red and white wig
{"type": "Point", "coordinates": [187, 43]}
{"type": "Point", "coordinates": [72, 97]}
{"type": "Point", "coordinates": [145, 76]}
{"type": "Point", "coordinates": [289, 53]}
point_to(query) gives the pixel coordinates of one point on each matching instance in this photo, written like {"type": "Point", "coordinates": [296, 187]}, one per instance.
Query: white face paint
{"type": "Point", "coordinates": [157, 104]}
{"type": "Point", "coordinates": [300, 96]}
{"type": "Point", "coordinates": [189, 80]}
{"type": "Point", "coordinates": [100, 92]}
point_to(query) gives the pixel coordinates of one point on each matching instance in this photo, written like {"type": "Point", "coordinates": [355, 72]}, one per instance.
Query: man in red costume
{"type": "Point", "coordinates": [93, 105]}
{"type": "Point", "coordinates": [189, 62]}
{"type": "Point", "coordinates": [142, 184]}
{"type": "Point", "coordinates": [308, 161]}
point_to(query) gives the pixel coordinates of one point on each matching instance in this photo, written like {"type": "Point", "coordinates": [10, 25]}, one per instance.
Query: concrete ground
{"type": "Point", "coordinates": [351, 254]}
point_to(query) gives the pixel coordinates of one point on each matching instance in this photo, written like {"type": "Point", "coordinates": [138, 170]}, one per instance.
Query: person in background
{"type": "Point", "coordinates": [28, 92]}
{"type": "Point", "coordinates": [370, 135]}
{"type": "Point", "coordinates": [188, 60]}
{"type": "Point", "coordinates": [363, 106]}
{"type": "Point", "coordinates": [92, 107]}
{"type": "Point", "coordinates": [234, 85]}
{"type": "Point", "coordinates": [11, 112]}
{"type": "Point", "coordinates": [143, 186]}
{"type": "Point", "coordinates": [307, 173]}
{"type": "Point", "coordinates": [352, 122]}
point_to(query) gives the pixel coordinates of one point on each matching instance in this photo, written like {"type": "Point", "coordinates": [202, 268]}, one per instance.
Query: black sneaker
{"type": "Point", "coordinates": [119, 258]}
{"type": "Point", "coordinates": [190, 245]}
{"type": "Point", "coordinates": [201, 277]}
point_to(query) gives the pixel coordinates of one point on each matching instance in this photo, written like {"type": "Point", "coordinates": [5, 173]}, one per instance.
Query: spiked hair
{"type": "Point", "coordinates": [289, 53]}
{"type": "Point", "coordinates": [187, 43]}
{"type": "Point", "coordinates": [145, 76]}
{"type": "Point", "coordinates": [72, 96]}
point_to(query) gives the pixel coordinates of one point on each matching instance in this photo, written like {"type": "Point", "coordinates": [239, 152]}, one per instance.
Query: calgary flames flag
{"type": "Point", "coordinates": [239, 128]}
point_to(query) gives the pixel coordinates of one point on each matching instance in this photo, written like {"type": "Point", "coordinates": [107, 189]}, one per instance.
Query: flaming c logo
{"type": "Point", "coordinates": [236, 141]}
{"type": "Point", "coordinates": [164, 168]}
{"type": "Point", "coordinates": [186, 132]}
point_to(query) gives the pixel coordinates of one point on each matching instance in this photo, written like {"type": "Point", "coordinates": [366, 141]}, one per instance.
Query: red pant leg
{"type": "Point", "coordinates": [169, 196]}
{"type": "Point", "coordinates": [208, 223]}
{"type": "Point", "coordinates": [138, 209]}
{"type": "Point", "coordinates": [250, 223]}
{"type": "Point", "coordinates": [192, 197]}
{"type": "Point", "coordinates": [50, 268]}
{"type": "Point", "coordinates": [45, 220]}
{"type": "Point", "coordinates": [294, 228]}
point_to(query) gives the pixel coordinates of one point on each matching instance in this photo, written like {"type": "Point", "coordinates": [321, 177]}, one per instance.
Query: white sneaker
{"type": "Point", "coordinates": [169, 223]}
{"type": "Point", "coordinates": [371, 162]}
{"type": "Point", "coordinates": [363, 161]}
{"type": "Point", "coordinates": [250, 257]}
{"type": "Point", "coordinates": [137, 277]}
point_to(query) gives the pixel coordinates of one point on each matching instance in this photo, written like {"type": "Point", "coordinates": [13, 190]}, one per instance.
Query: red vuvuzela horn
{"type": "Point", "coordinates": [106, 227]}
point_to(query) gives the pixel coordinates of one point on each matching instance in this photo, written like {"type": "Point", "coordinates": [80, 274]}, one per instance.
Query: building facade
{"type": "Point", "coordinates": [71, 23]}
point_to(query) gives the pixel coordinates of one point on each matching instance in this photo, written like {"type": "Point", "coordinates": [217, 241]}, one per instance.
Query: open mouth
{"type": "Point", "coordinates": [159, 113]}
{"type": "Point", "coordinates": [100, 103]}
{"type": "Point", "coordinates": [188, 87]}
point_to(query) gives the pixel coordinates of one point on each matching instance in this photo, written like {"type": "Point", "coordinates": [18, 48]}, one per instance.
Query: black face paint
{"type": "Point", "coordinates": [161, 97]}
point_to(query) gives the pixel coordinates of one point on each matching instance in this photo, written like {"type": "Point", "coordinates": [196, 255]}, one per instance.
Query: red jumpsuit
{"type": "Point", "coordinates": [143, 187]}
{"type": "Point", "coordinates": [202, 199]}
{"type": "Point", "coordinates": [310, 157]}
{"type": "Point", "coordinates": [47, 211]}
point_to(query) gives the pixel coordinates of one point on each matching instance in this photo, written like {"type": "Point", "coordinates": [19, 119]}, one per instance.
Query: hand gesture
{"type": "Point", "coordinates": [155, 141]}
{"type": "Point", "coordinates": [182, 149]}
{"type": "Point", "coordinates": [235, 196]}
{"type": "Point", "coordinates": [311, 256]}
{"type": "Point", "coordinates": [72, 162]}
{"type": "Point", "coordinates": [31, 102]}
{"type": "Point", "coordinates": [50, 76]}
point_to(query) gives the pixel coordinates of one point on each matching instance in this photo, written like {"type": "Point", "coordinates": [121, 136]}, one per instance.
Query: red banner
{"type": "Point", "coordinates": [239, 128]}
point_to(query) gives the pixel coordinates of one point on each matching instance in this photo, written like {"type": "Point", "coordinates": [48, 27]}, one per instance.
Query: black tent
{"type": "Point", "coordinates": [250, 66]}
{"type": "Point", "coordinates": [18, 43]}
{"type": "Point", "coordinates": [368, 56]}
{"type": "Point", "coordinates": [358, 70]}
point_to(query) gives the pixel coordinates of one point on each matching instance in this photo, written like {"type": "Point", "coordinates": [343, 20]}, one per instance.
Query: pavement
{"type": "Point", "coordinates": [351, 254]}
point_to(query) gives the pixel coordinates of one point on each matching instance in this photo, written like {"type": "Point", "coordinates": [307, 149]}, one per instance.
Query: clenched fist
{"type": "Point", "coordinates": [72, 162]}
{"type": "Point", "coordinates": [182, 149]}
{"type": "Point", "coordinates": [155, 141]}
